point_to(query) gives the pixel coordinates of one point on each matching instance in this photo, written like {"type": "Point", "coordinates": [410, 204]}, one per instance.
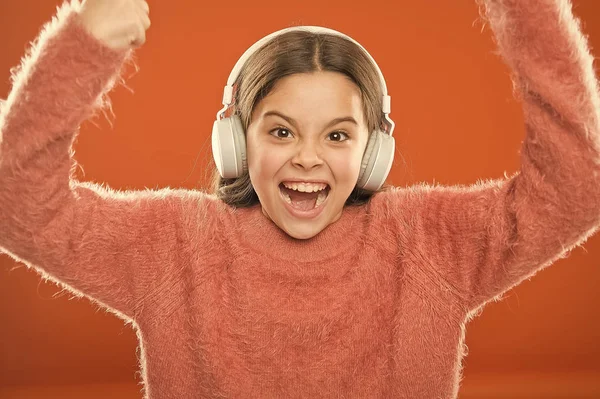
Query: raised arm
{"type": "Point", "coordinates": [112, 246]}
{"type": "Point", "coordinates": [482, 240]}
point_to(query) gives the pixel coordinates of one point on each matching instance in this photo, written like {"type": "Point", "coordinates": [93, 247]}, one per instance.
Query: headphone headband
{"type": "Point", "coordinates": [228, 90]}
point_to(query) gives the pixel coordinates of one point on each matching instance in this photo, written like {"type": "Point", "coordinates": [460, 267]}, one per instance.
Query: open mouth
{"type": "Point", "coordinates": [304, 201]}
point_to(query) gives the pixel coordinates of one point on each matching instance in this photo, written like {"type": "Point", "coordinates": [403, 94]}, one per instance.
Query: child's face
{"type": "Point", "coordinates": [306, 147]}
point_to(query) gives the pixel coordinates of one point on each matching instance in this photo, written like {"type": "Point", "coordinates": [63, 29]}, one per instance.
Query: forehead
{"type": "Point", "coordinates": [316, 95]}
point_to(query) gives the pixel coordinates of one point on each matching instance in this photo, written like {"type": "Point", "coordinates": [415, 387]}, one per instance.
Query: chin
{"type": "Point", "coordinates": [302, 233]}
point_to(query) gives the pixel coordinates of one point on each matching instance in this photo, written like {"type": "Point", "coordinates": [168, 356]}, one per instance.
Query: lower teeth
{"type": "Point", "coordinates": [320, 198]}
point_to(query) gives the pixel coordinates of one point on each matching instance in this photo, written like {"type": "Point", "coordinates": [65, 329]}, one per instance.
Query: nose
{"type": "Point", "coordinates": [308, 155]}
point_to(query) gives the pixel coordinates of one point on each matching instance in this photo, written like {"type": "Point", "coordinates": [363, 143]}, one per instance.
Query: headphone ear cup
{"type": "Point", "coordinates": [377, 161]}
{"type": "Point", "coordinates": [240, 139]}
{"type": "Point", "coordinates": [229, 147]}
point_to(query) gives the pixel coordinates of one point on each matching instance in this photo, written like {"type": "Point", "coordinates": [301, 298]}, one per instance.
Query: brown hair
{"type": "Point", "coordinates": [291, 53]}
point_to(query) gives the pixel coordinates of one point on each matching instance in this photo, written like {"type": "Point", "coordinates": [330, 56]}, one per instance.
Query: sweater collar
{"type": "Point", "coordinates": [259, 234]}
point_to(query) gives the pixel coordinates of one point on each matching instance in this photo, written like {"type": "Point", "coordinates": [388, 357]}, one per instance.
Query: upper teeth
{"type": "Point", "coordinates": [306, 187]}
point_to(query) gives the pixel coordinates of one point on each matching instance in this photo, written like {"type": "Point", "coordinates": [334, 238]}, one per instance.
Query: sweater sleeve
{"type": "Point", "coordinates": [93, 241]}
{"type": "Point", "coordinates": [482, 240]}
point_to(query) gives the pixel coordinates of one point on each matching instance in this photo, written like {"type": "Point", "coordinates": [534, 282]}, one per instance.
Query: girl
{"type": "Point", "coordinates": [259, 290]}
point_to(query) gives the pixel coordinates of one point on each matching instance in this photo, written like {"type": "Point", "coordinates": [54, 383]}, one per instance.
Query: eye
{"type": "Point", "coordinates": [281, 133]}
{"type": "Point", "coordinates": [284, 133]}
{"type": "Point", "coordinates": [338, 136]}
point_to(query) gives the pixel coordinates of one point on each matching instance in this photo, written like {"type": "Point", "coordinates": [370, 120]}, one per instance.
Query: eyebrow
{"type": "Point", "coordinates": [293, 122]}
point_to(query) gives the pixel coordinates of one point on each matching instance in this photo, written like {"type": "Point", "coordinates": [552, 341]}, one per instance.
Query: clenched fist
{"type": "Point", "coordinates": [120, 24]}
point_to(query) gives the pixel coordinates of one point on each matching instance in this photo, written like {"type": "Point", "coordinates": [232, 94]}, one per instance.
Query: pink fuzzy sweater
{"type": "Point", "coordinates": [226, 305]}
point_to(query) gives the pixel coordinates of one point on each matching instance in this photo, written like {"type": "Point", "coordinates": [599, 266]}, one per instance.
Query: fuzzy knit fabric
{"type": "Point", "coordinates": [226, 305]}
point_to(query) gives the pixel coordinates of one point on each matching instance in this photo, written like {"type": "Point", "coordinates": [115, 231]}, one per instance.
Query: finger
{"type": "Point", "coordinates": [145, 19]}
{"type": "Point", "coordinates": [139, 39]}
{"type": "Point", "coordinates": [144, 6]}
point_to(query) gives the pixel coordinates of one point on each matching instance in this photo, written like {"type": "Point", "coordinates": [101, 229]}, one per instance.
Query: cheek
{"type": "Point", "coordinates": [264, 162]}
{"type": "Point", "coordinates": [263, 166]}
{"type": "Point", "coordinates": [346, 165]}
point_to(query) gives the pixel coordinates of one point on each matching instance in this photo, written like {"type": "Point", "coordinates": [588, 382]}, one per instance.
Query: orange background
{"type": "Point", "coordinates": [456, 122]}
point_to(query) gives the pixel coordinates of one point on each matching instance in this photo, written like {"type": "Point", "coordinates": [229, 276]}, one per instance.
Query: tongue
{"type": "Point", "coordinates": [302, 201]}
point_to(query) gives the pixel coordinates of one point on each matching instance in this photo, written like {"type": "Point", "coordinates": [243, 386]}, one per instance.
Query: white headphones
{"type": "Point", "coordinates": [229, 140]}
